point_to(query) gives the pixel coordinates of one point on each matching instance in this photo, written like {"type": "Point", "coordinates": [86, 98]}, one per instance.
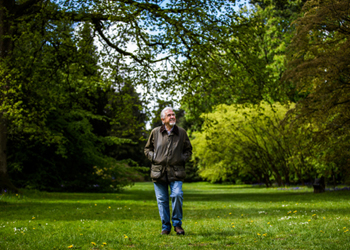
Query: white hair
{"type": "Point", "coordinates": [162, 114]}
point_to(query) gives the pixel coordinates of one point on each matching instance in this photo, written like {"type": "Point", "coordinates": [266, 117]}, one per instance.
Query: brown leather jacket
{"type": "Point", "coordinates": [168, 154]}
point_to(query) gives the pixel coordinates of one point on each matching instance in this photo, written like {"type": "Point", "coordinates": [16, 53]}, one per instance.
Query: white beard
{"type": "Point", "coordinates": [172, 123]}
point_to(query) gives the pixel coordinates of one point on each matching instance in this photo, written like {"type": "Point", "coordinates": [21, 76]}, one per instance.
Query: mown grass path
{"type": "Point", "coordinates": [215, 217]}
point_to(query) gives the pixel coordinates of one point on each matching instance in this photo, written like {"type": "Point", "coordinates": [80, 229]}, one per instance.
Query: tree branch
{"type": "Point", "coordinates": [98, 28]}
{"type": "Point", "coordinates": [153, 7]}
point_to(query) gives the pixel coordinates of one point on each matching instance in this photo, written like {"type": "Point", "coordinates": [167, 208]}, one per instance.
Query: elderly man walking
{"type": "Point", "coordinates": [168, 148]}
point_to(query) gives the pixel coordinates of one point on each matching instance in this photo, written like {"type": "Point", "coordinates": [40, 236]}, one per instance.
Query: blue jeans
{"type": "Point", "coordinates": [162, 195]}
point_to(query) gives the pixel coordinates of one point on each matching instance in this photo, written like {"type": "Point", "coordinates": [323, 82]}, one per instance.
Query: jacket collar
{"type": "Point", "coordinates": [175, 129]}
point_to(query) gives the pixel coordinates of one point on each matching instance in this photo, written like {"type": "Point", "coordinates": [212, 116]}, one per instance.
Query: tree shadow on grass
{"type": "Point", "coordinates": [140, 212]}
{"type": "Point", "coordinates": [237, 187]}
{"type": "Point", "coordinates": [288, 196]}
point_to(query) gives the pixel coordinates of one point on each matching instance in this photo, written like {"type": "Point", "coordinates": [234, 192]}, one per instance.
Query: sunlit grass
{"type": "Point", "coordinates": [215, 217]}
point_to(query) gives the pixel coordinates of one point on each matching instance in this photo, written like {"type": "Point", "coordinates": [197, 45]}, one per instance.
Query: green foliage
{"type": "Point", "coordinates": [260, 144]}
{"type": "Point", "coordinates": [237, 141]}
{"type": "Point", "coordinates": [319, 69]}
{"type": "Point", "coordinates": [65, 102]}
{"type": "Point", "coordinates": [246, 64]}
{"type": "Point", "coordinates": [65, 116]}
{"type": "Point", "coordinates": [47, 69]}
{"type": "Point", "coordinates": [128, 120]}
{"type": "Point", "coordinates": [71, 164]}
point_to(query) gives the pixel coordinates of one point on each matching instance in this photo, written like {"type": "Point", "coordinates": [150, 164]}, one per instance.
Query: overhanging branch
{"type": "Point", "coordinates": [98, 28]}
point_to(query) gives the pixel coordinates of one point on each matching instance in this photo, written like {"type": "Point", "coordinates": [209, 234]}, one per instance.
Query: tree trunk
{"type": "Point", "coordinates": [267, 180]}
{"type": "Point", "coordinates": [286, 175]}
{"type": "Point", "coordinates": [6, 47]}
{"type": "Point", "coordinates": [5, 182]}
{"type": "Point", "coordinates": [257, 176]}
{"type": "Point", "coordinates": [3, 140]}
{"type": "Point", "coordinates": [277, 176]}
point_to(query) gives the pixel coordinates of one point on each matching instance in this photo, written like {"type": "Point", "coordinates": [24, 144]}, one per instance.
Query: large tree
{"type": "Point", "coordinates": [160, 32]}
{"type": "Point", "coordinates": [319, 60]}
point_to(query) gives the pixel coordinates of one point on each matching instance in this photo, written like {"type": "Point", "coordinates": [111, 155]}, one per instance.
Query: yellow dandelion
{"type": "Point", "coordinates": [232, 223]}
{"type": "Point", "coordinates": [33, 227]}
{"type": "Point", "coordinates": [264, 234]}
{"type": "Point", "coordinates": [309, 220]}
{"type": "Point", "coordinates": [230, 213]}
{"type": "Point", "coordinates": [93, 243]}
{"type": "Point", "coordinates": [268, 222]}
{"type": "Point", "coordinates": [295, 211]}
{"type": "Point", "coordinates": [16, 194]}
{"type": "Point", "coordinates": [233, 226]}
{"type": "Point", "coordinates": [33, 218]}
{"type": "Point", "coordinates": [314, 215]}
{"type": "Point", "coordinates": [258, 234]}
{"type": "Point", "coordinates": [218, 216]}
{"type": "Point", "coordinates": [125, 237]}
{"type": "Point", "coordinates": [95, 204]}
{"type": "Point", "coordinates": [344, 227]}
{"type": "Point", "coordinates": [324, 218]}
{"type": "Point", "coordinates": [109, 207]}
{"type": "Point", "coordinates": [71, 246]}
{"type": "Point", "coordinates": [241, 214]}
{"type": "Point", "coordinates": [81, 234]}
{"type": "Point", "coordinates": [251, 221]}
{"type": "Point", "coordinates": [104, 243]}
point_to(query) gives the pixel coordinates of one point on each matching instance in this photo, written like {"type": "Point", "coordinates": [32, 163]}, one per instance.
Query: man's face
{"type": "Point", "coordinates": [170, 118]}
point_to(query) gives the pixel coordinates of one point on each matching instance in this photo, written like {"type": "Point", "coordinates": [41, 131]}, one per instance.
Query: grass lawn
{"type": "Point", "coordinates": [215, 217]}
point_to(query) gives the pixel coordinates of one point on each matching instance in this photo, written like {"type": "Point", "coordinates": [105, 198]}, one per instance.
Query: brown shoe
{"type": "Point", "coordinates": [165, 232]}
{"type": "Point", "coordinates": [179, 230]}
